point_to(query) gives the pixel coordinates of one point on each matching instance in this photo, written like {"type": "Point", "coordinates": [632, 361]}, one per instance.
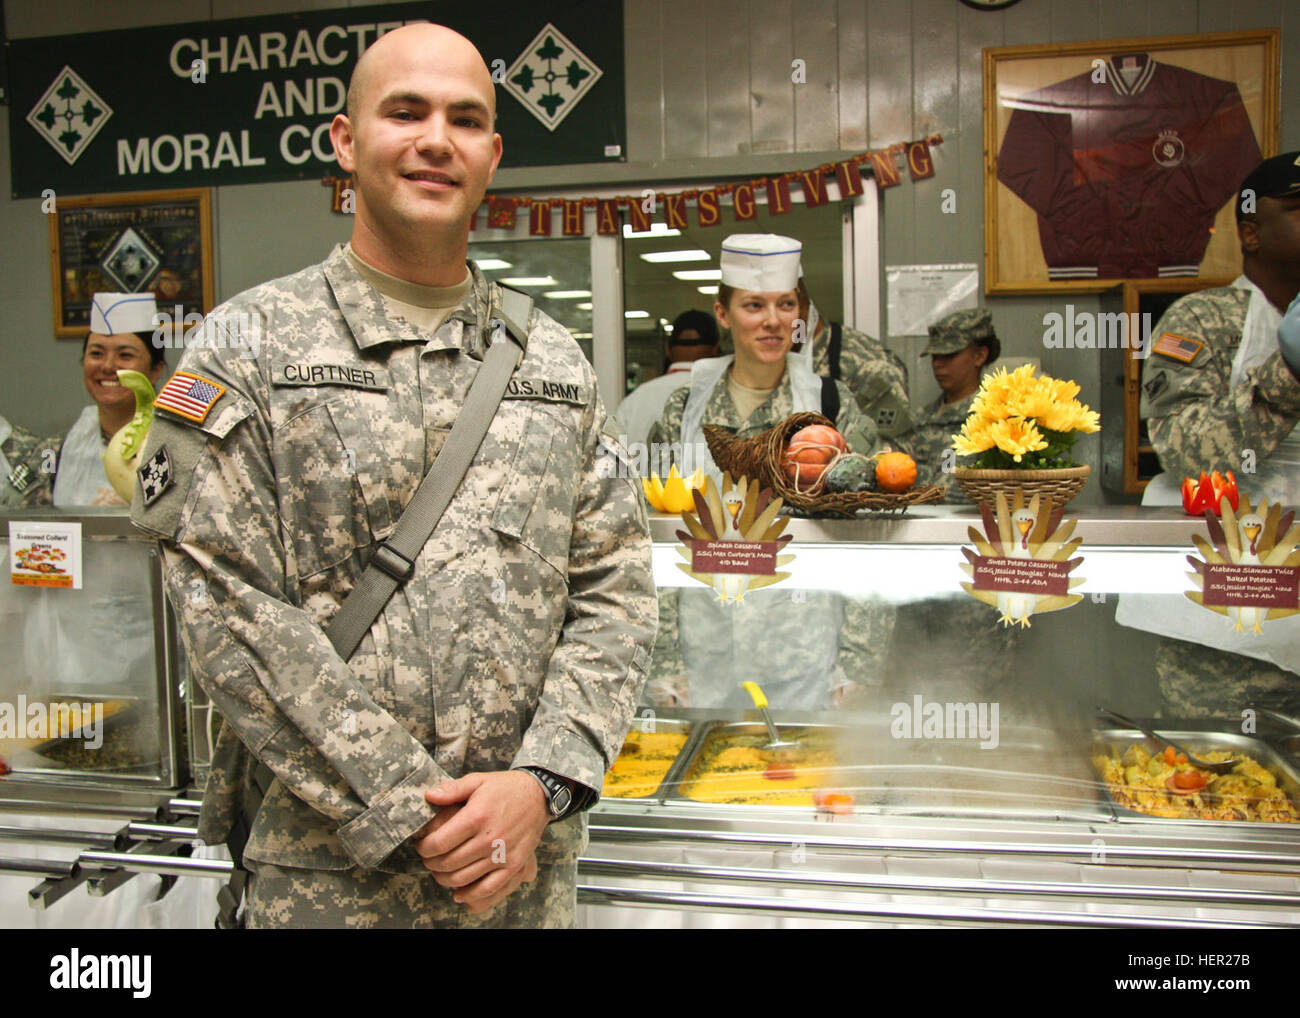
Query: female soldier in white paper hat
{"type": "Point", "coordinates": [801, 652]}
{"type": "Point", "coordinates": [121, 336]}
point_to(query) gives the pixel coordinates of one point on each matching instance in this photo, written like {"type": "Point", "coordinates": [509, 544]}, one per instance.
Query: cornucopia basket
{"type": "Point", "coordinates": [760, 457]}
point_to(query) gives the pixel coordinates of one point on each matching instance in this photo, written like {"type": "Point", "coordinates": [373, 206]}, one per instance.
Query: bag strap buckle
{"type": "Point", "coordinates": [389, 560]}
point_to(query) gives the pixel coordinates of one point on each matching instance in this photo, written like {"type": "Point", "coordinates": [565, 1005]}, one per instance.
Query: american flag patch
{"type": "Point", "coordinates": [1180, 348]}
{"type": "Point", "coordinates": [189, 395]}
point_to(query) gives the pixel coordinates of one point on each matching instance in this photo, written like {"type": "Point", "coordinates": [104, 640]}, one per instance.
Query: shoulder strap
{"type": "Point", "coordinates": [830, 399]}
{"type": "Point", "coordinates": [833, 350]}
{"type": "Point", "coordinates": [393, 561]}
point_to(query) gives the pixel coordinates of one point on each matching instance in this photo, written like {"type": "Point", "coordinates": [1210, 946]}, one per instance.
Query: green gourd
{"type": "Point", "coordinates": [123, 453]}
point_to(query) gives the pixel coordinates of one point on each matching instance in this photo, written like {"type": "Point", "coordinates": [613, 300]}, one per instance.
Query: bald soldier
{"type": "Point", "coordinates": [437, 777]}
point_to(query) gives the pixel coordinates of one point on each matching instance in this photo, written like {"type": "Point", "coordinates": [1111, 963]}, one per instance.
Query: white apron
{"type": "Point", "coordinates": [81, 480]}
{"type": "Point", "coordinates": [789, 648]}
{"type": "Point", "coordinates": [805, 391]}
{"type": "Point", "coordinates": [1277, 477]}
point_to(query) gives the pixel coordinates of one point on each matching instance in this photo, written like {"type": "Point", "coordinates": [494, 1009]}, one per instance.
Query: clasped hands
{"type": "Point", "coordinates": [482, 842]}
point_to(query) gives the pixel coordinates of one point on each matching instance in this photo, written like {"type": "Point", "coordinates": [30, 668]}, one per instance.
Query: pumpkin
{"type": "Point", "coordinates": [895, 472]}
{"type": "Point", "coordinates": [809, 451]}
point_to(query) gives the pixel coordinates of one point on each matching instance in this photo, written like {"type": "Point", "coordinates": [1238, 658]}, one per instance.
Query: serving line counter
{"type": "Point", "coordinates": [1006, 821]}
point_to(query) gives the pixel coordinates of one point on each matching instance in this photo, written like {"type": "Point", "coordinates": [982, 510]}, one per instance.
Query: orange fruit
{"type": "Point", "coordinates": [895, 472]}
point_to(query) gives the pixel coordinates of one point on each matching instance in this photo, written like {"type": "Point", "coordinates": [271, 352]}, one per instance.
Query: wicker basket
{"type": "Point", "coordinates": [1058, 485]}
{"type": "Point", "coordinates": [760, 457]}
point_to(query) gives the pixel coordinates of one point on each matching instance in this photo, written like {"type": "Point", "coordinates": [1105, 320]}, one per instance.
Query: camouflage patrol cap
{"type": "Point", "coordinates": [1277, 177]}
{"type": "Point", "coordinates": [953, 333]}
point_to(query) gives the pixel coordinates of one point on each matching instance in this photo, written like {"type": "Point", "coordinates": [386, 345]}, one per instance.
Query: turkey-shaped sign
{"type": "Point", "coordinates": [1251, 570]}
{"type": "Point", "coordinates": [1023, 566]}
{"type": "Point", "coordinates": [731, 540]}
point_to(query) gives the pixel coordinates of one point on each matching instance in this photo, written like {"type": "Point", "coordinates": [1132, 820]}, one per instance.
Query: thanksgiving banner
{"type": "Point", "coordinates": [503, 211]}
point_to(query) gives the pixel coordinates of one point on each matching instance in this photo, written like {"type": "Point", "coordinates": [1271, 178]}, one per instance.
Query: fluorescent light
{"type": "Point", "coordinates": [567, 294]}
{"type": "Point", "coordinates": [636, 314]}
{"type": "Point", "coordinates": [580, 335]}
{"type": "Point", "coordinates": [584, 307]}
{"type": "Point", "coordinates": [532, 281]}
{"type": "Point", "coordinates": [712, 291]}
{"type": "Point", "coordinates": [691, 255]}
{"type": "Point", "coordinates": [493, 264]}
{"type": "Point", "coordinates": [656, 230]}
{"type": "Point", "coordinates": [690, 274]}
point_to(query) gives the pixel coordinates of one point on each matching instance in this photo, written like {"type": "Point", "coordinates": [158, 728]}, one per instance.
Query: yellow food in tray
{"type": "Point", "coordinates": [643, 763]}
{"type": "Point", "coordinates": [1166, 785]}
{"type": "Point", "coordinates": [733, 768]}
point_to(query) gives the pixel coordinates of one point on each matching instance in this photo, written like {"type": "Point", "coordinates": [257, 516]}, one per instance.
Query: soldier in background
{"type": "Point", "coordinates": [1223, 382]}
{"type": "Point", "coordinates": [415, 783]}
{"type": "Point", "coordinates": [24, 457]}
{"type": "Point", "coordinates": [874, 373]}
{"type": "Point", "coordinates": [961, 345]}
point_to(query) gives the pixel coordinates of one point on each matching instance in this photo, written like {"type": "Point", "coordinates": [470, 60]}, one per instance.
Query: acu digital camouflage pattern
{"type": "Point", "coordinates": [953, 333]}
{"type": "Point", "coordinates": [24, 482]}
{"type": "Point", "coordinates": [1198, 682]}
{"type": "Point", "coordinates": [875, 376]}
{"type": "Point", "coordinates": [859, 431]}
{"type": "Point", "coordinates": [776, 639]}
{"type": "Point", "coordinates": [932, 438]}
{"type": "Point", "coordinates": [284, 898]}
{"type": "Point", "coordinates": [1196, 421]}
{"type": "Point", "coordinates": [523, 637]}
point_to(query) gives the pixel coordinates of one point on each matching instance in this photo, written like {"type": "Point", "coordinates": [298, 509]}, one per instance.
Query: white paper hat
{"type": "Point", "coordinates": [764, 262]}
{"type": "Point", "coordinates": [114, 313]}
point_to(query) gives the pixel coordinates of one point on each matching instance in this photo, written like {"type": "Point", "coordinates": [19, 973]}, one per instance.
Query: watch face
{"type": "Point", "coordinates": [561, 802]}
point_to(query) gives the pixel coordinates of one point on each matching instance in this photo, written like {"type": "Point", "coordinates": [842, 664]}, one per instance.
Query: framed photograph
{"type": "Point", "coordinates": [149, 241]}
{"type": "Point", "coordinates": [1115, 160]}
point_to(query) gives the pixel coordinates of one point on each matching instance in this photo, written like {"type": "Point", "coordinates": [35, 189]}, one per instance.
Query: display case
{"type": "Point", "coordinates": [955, 770]}
{"type": "Point", "coordinates": [91, 693]}
{"type": "Point", "coordinates": [951, 771]}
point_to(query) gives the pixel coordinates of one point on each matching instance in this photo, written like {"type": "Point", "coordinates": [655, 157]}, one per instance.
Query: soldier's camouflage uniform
{"type": "Point", "coordinates": [812, 625]}
{"type": "Point", "coordinates": [1197, 422]}
{"type": "Point", "coordinates": [876, 377]}
{"type": "Point", "coordinates": [932, 438]}
{"type": "Point", "coordinates": [522, 638]}
{"type": "Point", "coordinates": [23, 481]}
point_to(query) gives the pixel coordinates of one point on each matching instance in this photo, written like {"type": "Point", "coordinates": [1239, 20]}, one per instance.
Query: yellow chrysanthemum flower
{"type": "Point", "coordinates": [1072, 416]}
{"type": "Point", "coordinates": [1063, 389]}
{"type": "Point", "coordinates": [1034, 400]}
{"type": "Point", "coordinates": [973, 438]}
{"type": "Point", "coordinates": [1016, 437]}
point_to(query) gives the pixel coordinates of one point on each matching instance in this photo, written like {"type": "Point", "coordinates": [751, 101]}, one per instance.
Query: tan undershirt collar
{"type": "Point", "coordinates": [406, 292]}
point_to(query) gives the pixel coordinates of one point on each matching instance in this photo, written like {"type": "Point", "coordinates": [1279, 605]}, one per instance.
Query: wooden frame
{"type": "Point", "coordinates": [1135, 290]}
{"type": "Point", "coordinates": [170, 252]}
{"type": "Point", "coordinates": [1013, 254]}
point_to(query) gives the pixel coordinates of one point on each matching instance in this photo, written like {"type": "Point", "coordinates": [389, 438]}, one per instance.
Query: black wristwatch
{"type": "Point", "coordinates": [559, 797]}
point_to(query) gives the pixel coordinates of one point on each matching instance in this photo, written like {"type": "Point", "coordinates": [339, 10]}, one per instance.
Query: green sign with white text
{"type": "Point", "coordinates": [251, 100]}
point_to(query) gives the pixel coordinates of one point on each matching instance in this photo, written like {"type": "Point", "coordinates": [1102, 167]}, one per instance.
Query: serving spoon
{"type": "Point", "coordinates": [776, 748]}
{"type": "Point", "coordinates": [1214, 768]}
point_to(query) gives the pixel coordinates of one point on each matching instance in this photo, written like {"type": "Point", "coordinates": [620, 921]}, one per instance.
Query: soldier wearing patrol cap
{"type": "Point", "coordinates": [1221, 391]}
{"type": "Point", "coordinates": [961, 345]}
{"type": "Point", "coordinates": [413, 784]}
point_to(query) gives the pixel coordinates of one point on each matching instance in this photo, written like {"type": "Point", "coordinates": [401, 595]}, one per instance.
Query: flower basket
{"type": "Point", "coordinates": [760, 457]}
{"type": "Point", "coordinates": [1023, 430]}
{"type": "Point", "coordinates": [1058, 485]}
